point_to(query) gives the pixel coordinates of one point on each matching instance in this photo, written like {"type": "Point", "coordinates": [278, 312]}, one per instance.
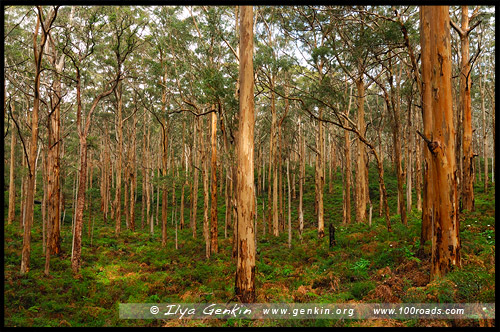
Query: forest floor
{"type": "Point", "coordinates": [368, 264]}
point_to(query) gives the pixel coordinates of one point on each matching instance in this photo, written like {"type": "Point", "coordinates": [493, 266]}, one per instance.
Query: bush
{"type": "Point", "coordinates": [469, 284]}
{"type": "Point", "coordinates": [360, 289]}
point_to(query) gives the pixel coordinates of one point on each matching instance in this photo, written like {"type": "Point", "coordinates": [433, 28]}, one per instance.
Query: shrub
{"type": "Point", "coordinates": [360, 289]}
{"type": "Point", "coordinates": [469, 284]}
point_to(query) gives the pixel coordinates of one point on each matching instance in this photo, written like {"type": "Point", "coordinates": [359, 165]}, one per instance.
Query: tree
{"type": "Point", "coordinates": [441, 144]}
{"type": "Point", "coordinates": [54, 153]}
{"type": "Point", "coordinates": [43, 24]}
{"type": "Point", "coordinates": [79, 58]}
{"type": "Point", "coordinates": [12, 185]}
{"type": "Point", "coordinates": [214, 248]}
{"type": "Point", "coordinates": [428, 185]}
{"type": "Point", "coordinates": [245, 263]}
{"type": "Point", "coordinates": [465, 109]}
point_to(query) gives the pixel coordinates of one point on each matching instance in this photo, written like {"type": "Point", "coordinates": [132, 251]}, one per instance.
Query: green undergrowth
{"type": "Point", "coordinates": [367, 264]}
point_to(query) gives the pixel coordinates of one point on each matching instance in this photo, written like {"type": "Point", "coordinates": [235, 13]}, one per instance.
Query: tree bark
{"type": "Point", "coordinates": [194, 194]}
{"type": "Point", "coordinates": [485, 138]}
{"type": "Point", "coordinates": [426, 68]}
{"type": "Point", "coordinates": [320, 180]}
{"type": "Point", "coordinates": [214, 248]}
{"type": "Point", "coordinates": [409, 158]}
{"type": "Point", "coordinates": [54, 163]}
{"type": "Point", "coordinates": [132, 174]}
{"type": "Point", "coordinates": [445, 239]}
{"type": "Point", "coordinates": [466, 112]}
{"type": "Point", "coordinates": [361, 171]}
{"type": "Point", "coordinates": [12, 185]}
{"type": "Point", "coordinates": [289, 203]}
{"type": "Point", "coordinates": [301, 178]}
{"type": "Point", "coordinates": [206, 191]}
{"type": "Point", "coordinates": [418, 165]}
{"type": "Point", "coordinates": [396, 134]}
{"type": "Point", "coordinates": [245, 266]}
{"type": "Point", "coordinates": [164, 185]}
{"type": "Point", "coordinates": [118, 170]}
{"type": "Point", "coordinates": [83, 132]}
{"type": "Point", "coordinates": [30, 193]}
{"type": "Point", "coordinates": [347, 185]}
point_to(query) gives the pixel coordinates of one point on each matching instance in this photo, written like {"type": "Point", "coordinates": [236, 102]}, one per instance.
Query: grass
{"type": "Point", "coordinates": [135, 268]}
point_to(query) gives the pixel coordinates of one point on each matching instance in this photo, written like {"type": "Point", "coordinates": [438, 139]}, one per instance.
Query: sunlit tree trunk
{"type": "Point", "coordinates": [409, 159]}
{"type": "Point", "coordinates": [118, 170]}
{"type": "Point", "coordinates": [396, 135]}
{"type": "Point", "coordinates": [194, 193]}
{"type": "Point", "coordinates": [144, 170]}
{"type": "Point", "coordinates": [53, 155]}
{"type": "Point", "coordinates": [361, 180]}
{"type": "Point", "coordinates": [245, 266]}
{"type": "Point", "coordinates": [126, 179]}
{"type": "Point", "coordinates": [418, 164]}
{"type": "Point", "coordinates": [320, 180]}
{"type": "Point", "coordinates": [164, 169]}
{"type": "Point", "coordinates": [485, 138]}
{"type": "Point", "coordinates": [83, 128]}
{"type": "Point", "coordinates": [206, 192]}
{"type": "Point", "coordinates": [426, 68]}
{"type": "Point", "coordinates": [467, 192]}
{"type": "Point", "coordinates": [214, 248]}
{"type": "Point", "coordinates": [133, 175]}
{"type": "Point", "coordinates": [38, 48]}
{"type": "Point", "coordinates": [441, 144]}
{"type": "Point", "coordinates": [347, 167]}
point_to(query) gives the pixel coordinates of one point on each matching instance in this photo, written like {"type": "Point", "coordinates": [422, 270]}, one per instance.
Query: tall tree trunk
{"type": "Point", "coordinates": [361, 180]}
{"type": "Point", "coordinates": [409, 159]}
{"type": "Point", "coordinates": [194, 194]}
{"type": "Point", "coordinates": [83, 132]}
{"type": "Point", "coordinates": [396, 134]}
{"type": "Point", "coordinates": [289, 203]}
{"type": "Point", "coordinates": [186, 174]}
{"type": "Point", "coordinates": [12, 184]}
{"type": "Point", "coordinates": [43, 207]}
{"type": "Point", "coordinates": [24, 187]}
{"type": "Point", "coordinates": [301, 178]}
{"type": "Point", "coordinates": [227, 213]}
{"type": "Point", "coordinates": [80, 203]}
{"type": "Point", "coordinates": [30, 193]}
{"type": "Point", "coordinates": [381, 154]}
{"type": "Point", "coordinates": [132, 174]}
{"type": "Point", "coordinates": [281, 219]}
{"type": "Point", "coordinates": [418, 165]}
{"type": "Point", "coordinates": [273, 193]}
{"type": "Point", "coordinates": [466, 110]}
{"type": "Point", "coordinates": [118, 170]}
{"type": "Point", "coordinates": [126, 181]}
{"type": "Point", "coordinates": [149, 187]}
{"type": "Point", "coordinates": [445, 239]}
{"type": "Point", "coordinates": [485, 138]}
{"type": "Point", "coordinates": [426, 69]}
{"type": "Point", "coordinates": [320, 180]}
{"type": "Point", "coordinates": [347, 185]}
{"type": "Point", "coordinates": [245, 266]}
{"type": "Point", "coordinates": [54, 163]}
{"type": "Point", "coordinates": [144, 171]}
{"type": "Point", "coordinates": [164, 185]}
{"type": "Point", "coordinates": [206, 190]}
{"type": "Point", "coordinates": [214, 248]}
